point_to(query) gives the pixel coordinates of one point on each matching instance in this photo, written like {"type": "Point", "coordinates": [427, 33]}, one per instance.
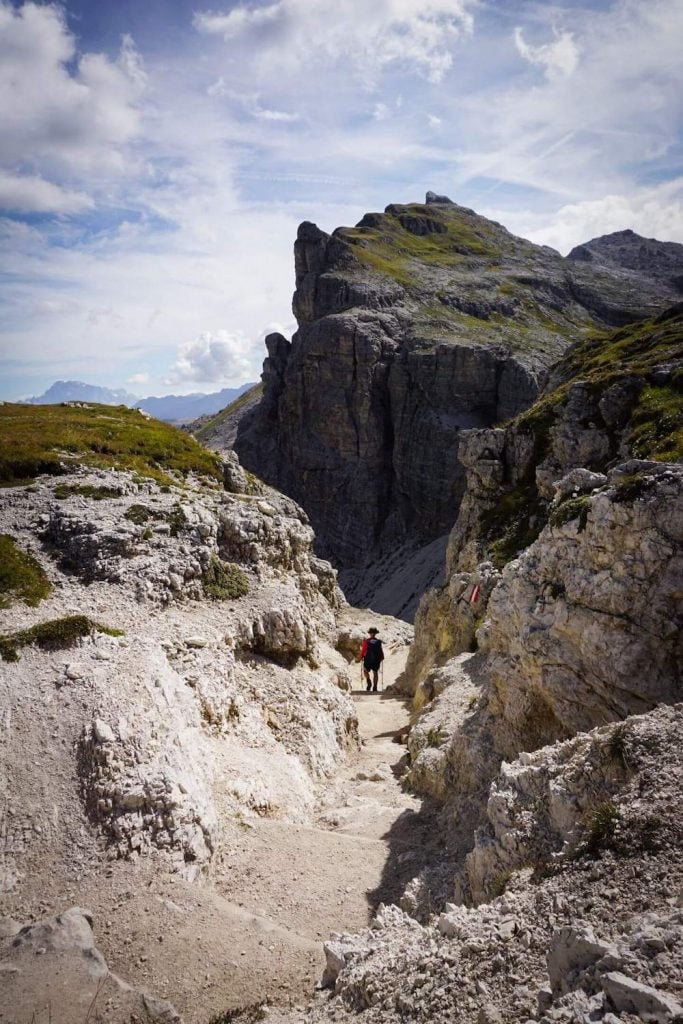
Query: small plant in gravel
{"type": "Point", "coordinates": [618, 745]}
{"type": "Point", "coordinates": [600, 823]}
{"type": "Point", "coordinates": [632, 487]}
{"type": "Point", "coordinates": [86, 491]}
{"type": "Point", "coordinates": [499, 882]}
{"type": "Point", "coordinates": [21, 575]}
{"type": "Point", "coordinates": [138, 514]}
{"type": "Point", "coordinates": [224, 581]}
{"type": "Point", "coordinates": [434, 737]}
{"type": "Point", "coordinates": [53, 635]}
{"type": "Point", "coordinates": [176, 519]}
{"type": "Point", "coordinates": [242, 1015]}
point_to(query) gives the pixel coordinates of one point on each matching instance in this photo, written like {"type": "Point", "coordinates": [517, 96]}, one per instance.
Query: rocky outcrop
{"type": "Point", "coordinates": [579, 864]}
{"type": "Point", "coordinates": [610, 789]}
{"type": "Point", "coordinates": [582, 629]}
{"type": "Point", "coordinates": [219, 619]}
{"type": "Point", "coordinates": [662, 262]}
{"type": "Point", "coordinates": [420, 323]}
{"type": "Point", "coordinates": [609, 399]}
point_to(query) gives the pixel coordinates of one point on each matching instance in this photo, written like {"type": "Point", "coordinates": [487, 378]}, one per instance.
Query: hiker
{"type": "Point", "coordinates": [372, 656]}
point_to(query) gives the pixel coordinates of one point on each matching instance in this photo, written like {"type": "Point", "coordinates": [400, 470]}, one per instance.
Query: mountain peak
{"type": "Point", "coordinates": [660, 262]}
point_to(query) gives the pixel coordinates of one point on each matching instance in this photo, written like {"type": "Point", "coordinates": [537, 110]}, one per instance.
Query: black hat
{"type": "Point", "coordinates": [373, 630]}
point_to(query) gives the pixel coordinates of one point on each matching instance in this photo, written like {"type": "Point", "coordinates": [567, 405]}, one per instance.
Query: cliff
{"type": "Point", "coordinates": [547, 680]}
{"type": "Point", "coordinates": [419, 323]}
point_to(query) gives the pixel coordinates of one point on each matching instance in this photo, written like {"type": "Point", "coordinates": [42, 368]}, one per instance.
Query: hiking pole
{"type": "Point", "coordinates": [381, 669]}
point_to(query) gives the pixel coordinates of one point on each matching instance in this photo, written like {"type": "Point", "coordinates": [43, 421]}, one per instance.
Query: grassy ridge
{"type": "Point", "coordinates": [37, 439]}
{"type": "Point", "coordinates": [251, 395]}
{"type": "Point", "coordinates": [390, 248]}
{"type": "Point", "coordinates": [653, 427]}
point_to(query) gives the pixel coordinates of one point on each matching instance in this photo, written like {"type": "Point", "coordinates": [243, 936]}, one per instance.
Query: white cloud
{"type": "Point", "coordinates": [582, 136]}
{"type": "Point", "coordinates": [418, 34]}
{"type": "Point", "coordinates": [559, 58]}
{"type": "Point", "coordinates": [237, 21]}
{"type": "Point", "coordinates": [32, 194]}
{"type": "Point", "coordinates": [433, 121]}
{"type": "Point", "coordinates": [654, 213]}
{"type": "Point", "coordinates": [264, 114]}
{"type": "Point", "coordinates": [138, 378]}
{"type": "Point", "coordinates": [60, 107]}
{"type": "Point", "coordinates": [381, 112]}
{"type": "Point", "coordinates": [219, 357]}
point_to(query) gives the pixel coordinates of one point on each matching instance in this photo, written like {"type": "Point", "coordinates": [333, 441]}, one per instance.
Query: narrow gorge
{"type": "Point", "coordinates": [203, 815]}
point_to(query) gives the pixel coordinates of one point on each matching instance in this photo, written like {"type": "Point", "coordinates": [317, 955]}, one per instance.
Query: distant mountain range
{"type": "Point", "coordinates": [171, 408]}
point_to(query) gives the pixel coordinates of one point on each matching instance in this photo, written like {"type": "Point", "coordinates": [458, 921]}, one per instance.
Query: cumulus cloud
{"type": "Point", "coordinates": [138, 378]}
{"type": "Point", "coordinates": [654, 213]}
{"type": "Point", "coordinates": [61, 107]}
{"type": "Point", "coordinates": [32, 194]}
{"type": "Point", "coordinates": [417, 34]}
{"type": "Point", "coordinates": [220, 357]}
{"type": "Point", "coordinates": [559, 58]}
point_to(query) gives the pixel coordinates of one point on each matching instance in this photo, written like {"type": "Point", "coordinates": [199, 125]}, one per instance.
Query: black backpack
{"type": "Point", "coordinates": [374, 654]}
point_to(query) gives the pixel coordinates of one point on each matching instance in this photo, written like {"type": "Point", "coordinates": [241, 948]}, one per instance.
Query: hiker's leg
{"type": "Point", "coordinates": [374, 678]}
{"type": "Point", "coordinates": [366, 673]}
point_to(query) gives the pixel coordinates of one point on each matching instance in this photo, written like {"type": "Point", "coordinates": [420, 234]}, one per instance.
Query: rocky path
{"type": "Point", "coordinates": [293, 885]}
{"type": "Point", "coordinates": [255, 930]}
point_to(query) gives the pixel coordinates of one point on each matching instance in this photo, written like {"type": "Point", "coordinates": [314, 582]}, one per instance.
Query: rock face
{"type": "Point", "coordinates": [414, 326]}
{"type": "Point", "coordinates": [179, 704]}
{"type": "Point", "coordinates": [642, 257]}
{"type": "Point", "coordinates": [547, 670]}
{"type": "Point", "coordinates": [608, 400]}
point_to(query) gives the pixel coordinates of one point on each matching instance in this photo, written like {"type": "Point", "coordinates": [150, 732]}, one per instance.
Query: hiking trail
{"type": "Point", "coordinates": [254, 929]}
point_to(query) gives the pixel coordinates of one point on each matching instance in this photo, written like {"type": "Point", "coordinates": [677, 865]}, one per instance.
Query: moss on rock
{"type": "Point", "coordinates": [21, 575]}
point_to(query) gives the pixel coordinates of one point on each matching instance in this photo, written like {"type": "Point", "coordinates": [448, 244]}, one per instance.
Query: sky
{"type": "Point", "coordinates": [157, 157]}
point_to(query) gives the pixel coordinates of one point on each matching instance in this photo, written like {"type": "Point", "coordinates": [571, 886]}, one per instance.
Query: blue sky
{"type": "Point", "coordinates": [157, 157]}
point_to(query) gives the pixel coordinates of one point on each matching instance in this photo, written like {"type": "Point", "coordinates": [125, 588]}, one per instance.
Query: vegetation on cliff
{"type": "Point", "coordinates": [211, 423]}
{"type": "Point", "coordinates": [470, 278]}
{"type": "Point", "coordinates": [55, 439]}
{"type": "Point", "coordinates": [641, 366]}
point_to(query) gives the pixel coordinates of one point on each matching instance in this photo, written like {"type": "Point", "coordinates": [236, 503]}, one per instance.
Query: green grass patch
{"type": "Point", "coordinates": [224, 581]}
{"type": "Point", "coordinates": [657, 423]}
{"type": "Point", "coordinates": [54, 635]}
{"type": "Point", "coordinates": [86, 491]}
{"type": "Point", "coordinates": [22, 577]}
{"type": "Point", "coordinates": [572, 508]}
{"type": "Point", "coordinates": [252, 395]}
{"type": "Point", "coordinates": [393, 250]}
{"type": "Point", "coordinates": [56, 439]}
